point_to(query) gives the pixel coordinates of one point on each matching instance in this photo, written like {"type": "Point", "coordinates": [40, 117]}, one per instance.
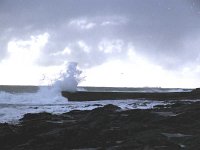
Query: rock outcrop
{"type": "Point", "coordinates": [162, 128]}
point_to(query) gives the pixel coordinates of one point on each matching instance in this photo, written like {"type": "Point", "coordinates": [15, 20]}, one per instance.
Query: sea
{"type": "Point", "coordinates": [15, 101]}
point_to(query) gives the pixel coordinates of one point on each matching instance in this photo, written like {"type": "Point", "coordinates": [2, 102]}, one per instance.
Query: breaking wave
{"type": "Point", "coordinates": [67, 81]}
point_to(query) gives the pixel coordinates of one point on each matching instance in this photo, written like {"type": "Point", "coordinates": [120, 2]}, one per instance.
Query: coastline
{"type": "Point", "coordinates": [171, 127]}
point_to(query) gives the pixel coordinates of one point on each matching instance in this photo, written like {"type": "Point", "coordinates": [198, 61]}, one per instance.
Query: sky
{"type": "Point", "coordinates": [134, 43]}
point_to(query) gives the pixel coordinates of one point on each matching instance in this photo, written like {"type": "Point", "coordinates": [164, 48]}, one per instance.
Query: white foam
{"type": "Point", "coordinates": [43, 96]}
{"type": "Point", "coordinates": [12, 112]}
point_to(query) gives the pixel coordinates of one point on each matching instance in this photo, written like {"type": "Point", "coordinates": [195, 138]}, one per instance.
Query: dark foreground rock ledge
{"type": "Point", "coordinates": [172, 128]}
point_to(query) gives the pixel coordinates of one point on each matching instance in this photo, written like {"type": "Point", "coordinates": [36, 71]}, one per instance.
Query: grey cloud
{"type": "Point", "coordinates": [86, 54]}
{"type": "Point", "coordinates": [166, 32]}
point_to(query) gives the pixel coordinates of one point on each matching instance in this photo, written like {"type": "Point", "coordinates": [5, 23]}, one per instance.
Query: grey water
{"type": "Point", "coordinates": [33, 89]}
{"type": "Point", "coordinates": [15, 101]}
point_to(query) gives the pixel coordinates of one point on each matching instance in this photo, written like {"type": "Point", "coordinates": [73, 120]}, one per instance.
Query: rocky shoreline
{"type": "Point", "coordinates": [171, 127]}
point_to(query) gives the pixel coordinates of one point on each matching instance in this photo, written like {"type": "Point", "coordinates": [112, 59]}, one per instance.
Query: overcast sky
{"type": "Point", "coordinates": [165, 33]}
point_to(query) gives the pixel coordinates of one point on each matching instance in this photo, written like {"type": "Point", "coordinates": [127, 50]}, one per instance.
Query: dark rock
{"type": "Point", "coordinates": [197, 90]}
{"type": "Point", "coordinates": [108, 127]}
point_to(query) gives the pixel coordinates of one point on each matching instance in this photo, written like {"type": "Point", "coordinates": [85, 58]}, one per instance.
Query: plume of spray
{"type": "Point", "coordinates": [69, 80]}
{"type": "Point", "coordinates": [47, 99]}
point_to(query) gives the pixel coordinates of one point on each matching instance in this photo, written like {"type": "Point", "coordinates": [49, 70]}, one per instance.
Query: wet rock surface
{"type": "Point", "coordinates": [162, 128]}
